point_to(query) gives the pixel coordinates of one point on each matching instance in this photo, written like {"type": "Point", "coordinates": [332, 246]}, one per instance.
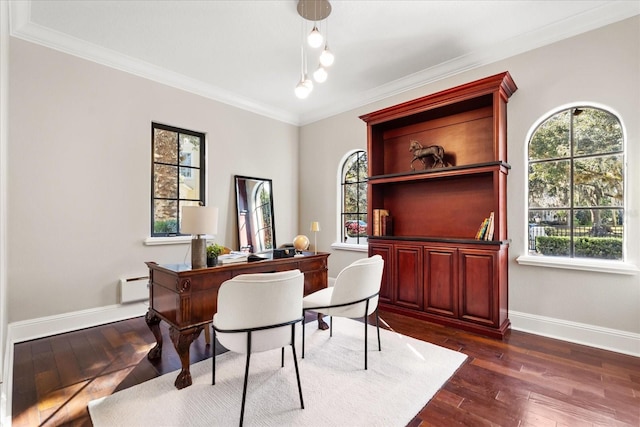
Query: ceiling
{"type": "Point", "coordinates": [247, 53]}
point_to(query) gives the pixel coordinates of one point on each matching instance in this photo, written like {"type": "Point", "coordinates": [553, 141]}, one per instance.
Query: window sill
{"type": "Point", "coordinates": [176, 240]}
{"type": "Point", "coordinates": [350, 247]}
{"type": "Point", "coordinates": [600, 266]}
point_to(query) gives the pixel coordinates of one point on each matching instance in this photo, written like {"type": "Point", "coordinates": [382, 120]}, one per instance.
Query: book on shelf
{"type": "Point", "coordinates": [233, 257]}
{"type": "Point", "coordinates": [378, 220]}
{"type": "Point", "coordinates": [480, 232]}
{"type": "Point", "coordinates": [485, 231]}
{"type": "Point", "coordinates": [488, 235]}
{"type": "Point", "coordinates": [387, 226]}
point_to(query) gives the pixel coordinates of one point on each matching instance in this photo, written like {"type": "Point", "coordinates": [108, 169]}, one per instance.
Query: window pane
{"type": "Point", "coordinates": [598, 181]}
{"type": "Point", "coordinates": [598, 233]}
{"type": "Point", "coordinates": [189, 150]}
{"type": "Point", "coordinates": [355, 228]}
{"type": "Point", "coordinates": [549, 184]}
{"type": "Point", "coordinates": [549, 232]}
{"type": "Point", "coordinates": [355, 168]}
{"type": "Point", "coordinates": [350, 198]}
{"type": "Point", "coordinates": [165, 146]}
{"type": "Point", "coordinates": [189, 183]}
{"type": "Point", "coordinates": [164, 182]}
{"type": "Point", "coordinates": [362, 197]}
{"type": "Point", "coordinates": [552, 138]}
{"type": "Point", "coordinates": [596, 132]}
{"type": "Point", "coordinates": [165, 213]}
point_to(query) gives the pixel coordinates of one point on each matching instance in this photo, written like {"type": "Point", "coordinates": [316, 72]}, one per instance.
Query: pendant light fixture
{"type": "Point", "coordinates": [305, 85]}
{"type": "Point", "coordinates": [314, 11]}
{"type": "Point", "coordinates": [326, 57]}
{"type": "Point", "coordinates": [315, 38]}
{"type": "Point", "coordinates": [320, 75]}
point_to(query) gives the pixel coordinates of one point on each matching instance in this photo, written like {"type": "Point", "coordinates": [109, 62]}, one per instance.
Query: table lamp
{"type": "Point", "coordinates": [315, 227]}
{"type": "Point", "coordinates": [199, 221]}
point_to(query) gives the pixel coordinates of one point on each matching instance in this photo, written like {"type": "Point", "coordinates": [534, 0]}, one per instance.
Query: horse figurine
{"type": "Point", "coordinates": [421, 153]}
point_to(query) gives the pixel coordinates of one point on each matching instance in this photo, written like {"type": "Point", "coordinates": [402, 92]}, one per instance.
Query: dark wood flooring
{"type": "Point", "coordinates": [524, 380]}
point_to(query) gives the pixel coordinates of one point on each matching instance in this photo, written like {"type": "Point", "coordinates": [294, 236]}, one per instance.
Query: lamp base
{"type": "Point", "coordinates": [198, 253]}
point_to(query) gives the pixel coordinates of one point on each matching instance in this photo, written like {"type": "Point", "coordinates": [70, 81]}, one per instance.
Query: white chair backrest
{"type": "Point", "coordinates": [254, 300]}
{"type": "Point", "coordinates": [359, 280]}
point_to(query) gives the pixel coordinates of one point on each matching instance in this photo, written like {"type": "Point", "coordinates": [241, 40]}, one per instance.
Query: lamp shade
{"type": "Point", "coordinates": [199, 220]}
{"type": "Point", "coordinates": [315, 226]}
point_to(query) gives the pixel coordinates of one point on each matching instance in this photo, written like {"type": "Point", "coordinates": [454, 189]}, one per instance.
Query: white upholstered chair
{"type": "Point", "coordinates": [354, 294]}
{"type": "Point", "coordinates": [259, 312]}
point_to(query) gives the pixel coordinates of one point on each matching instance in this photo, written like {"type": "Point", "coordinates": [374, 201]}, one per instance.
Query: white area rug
{"type": "Point", "coordinates": [337, 391]}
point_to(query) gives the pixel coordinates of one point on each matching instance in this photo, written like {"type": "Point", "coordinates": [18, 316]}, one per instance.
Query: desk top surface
{"type": "Point", "coordinates": [266, 257]}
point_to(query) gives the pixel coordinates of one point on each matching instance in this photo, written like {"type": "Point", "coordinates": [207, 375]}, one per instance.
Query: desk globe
{"type": "Point", "coordinates": [300, 243]}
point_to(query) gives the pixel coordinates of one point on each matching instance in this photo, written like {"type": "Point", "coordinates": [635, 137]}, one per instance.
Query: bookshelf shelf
{"type": "Point", "coordinates": [435, 267]}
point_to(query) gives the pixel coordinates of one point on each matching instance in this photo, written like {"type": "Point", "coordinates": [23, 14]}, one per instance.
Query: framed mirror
{"type": "Point", "coordinates": [254, 205]}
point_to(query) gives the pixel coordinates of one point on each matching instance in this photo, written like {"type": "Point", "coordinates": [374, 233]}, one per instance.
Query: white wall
{"type": "Point", "coordinates": [603, 67]}
{"type": "Point", "coordinates": [4, 142]}
{"type": "Point", "coordinates": [79, 176]}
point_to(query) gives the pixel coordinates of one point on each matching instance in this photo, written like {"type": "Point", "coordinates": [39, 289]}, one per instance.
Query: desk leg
{"type": "Point", "coordinates": [153, 322]}
{"type": "Point", "coordinates": [182, 341]}
{"type": "Point", "coordinates": [321, 323]}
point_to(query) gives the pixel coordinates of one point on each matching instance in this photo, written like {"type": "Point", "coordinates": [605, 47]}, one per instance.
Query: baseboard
{"type": "Point", "coordinates": [580, 333]}
{"type": "Point", "coordinates": [52, 325]}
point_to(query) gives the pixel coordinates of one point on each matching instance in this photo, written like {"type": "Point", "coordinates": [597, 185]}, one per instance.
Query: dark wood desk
{"type": "Point", "coordinates": [186, 299]}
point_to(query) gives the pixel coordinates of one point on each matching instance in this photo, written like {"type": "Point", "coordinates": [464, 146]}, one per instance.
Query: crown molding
{"type": "Point", "coordinates": [608, 13]}
{"type": "Point", "coordinates": [23, 28]}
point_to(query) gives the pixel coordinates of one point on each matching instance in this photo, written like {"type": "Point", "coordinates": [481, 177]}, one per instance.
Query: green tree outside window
{"type": "Point", "coordinates": [576, 185]}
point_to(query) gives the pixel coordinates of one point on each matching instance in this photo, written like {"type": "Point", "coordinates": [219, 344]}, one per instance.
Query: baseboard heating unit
{"type": "Point", "coordinates": [134, 289]}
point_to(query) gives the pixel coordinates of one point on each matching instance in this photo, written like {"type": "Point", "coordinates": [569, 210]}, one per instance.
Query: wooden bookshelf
{"type": "Point", "coordinates": [435, 268]}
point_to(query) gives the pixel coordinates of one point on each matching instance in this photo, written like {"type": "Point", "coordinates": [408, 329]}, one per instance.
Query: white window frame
{"type": "Point", "coordinates": [595, 265]}
{"type": "Point", "coordinates": [338, 243]}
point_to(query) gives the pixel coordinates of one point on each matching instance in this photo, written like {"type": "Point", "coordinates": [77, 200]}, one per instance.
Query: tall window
{"type": "Point", "coordinates": [354, 199]}
{"type": "Point", "coordinates": [576, 185]}
{"type": "Point", "coordinates": [178, 173]}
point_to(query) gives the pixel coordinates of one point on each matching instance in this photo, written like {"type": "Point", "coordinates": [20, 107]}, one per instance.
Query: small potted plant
{"type": "Point", "coordinates": [212, 254]}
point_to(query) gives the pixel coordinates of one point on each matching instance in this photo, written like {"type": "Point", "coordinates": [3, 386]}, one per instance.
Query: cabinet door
{"type": "Point", "coordinates": [386, 252]}
{"type": "Point", "coordinates": [478, 286]}
{"type": "Point", "coordinates": [441, 281]}
{"type": "Point", "coordinates": [408, 276]}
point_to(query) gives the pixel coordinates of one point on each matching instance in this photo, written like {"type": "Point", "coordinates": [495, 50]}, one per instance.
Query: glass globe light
{"type": "Point", "coordinates": [308, 83]}
{"type": "Point", "coordinates": [301, 90]}
{"type": "Point", "coordinates": [326, 57]}
{"type": "Point", "coordinates": [320, 75]}
{"type": "Point", "coordinates": [315, 38]}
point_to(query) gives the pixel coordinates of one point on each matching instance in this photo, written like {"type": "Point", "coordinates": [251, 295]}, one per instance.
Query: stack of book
{"type": "Point", "coordinates": [485, 232]}
{"type": "Point", "coordinates": [233, 257]}
{"type": "Point", "coordinates": [382, 223]}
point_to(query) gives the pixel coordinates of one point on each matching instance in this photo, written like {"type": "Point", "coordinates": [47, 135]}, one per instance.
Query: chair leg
{"type": "Point", "coordinates": [366, 335]}
{"type": "Point", "coordinates": [207, 335]}
{"type": "Point", "coordinates": [213, 358]}
{"type": "Point", "coordinates": [303, 322]}
{"type": "Point", "coordinates": [330, 326]}
{"type": "Point", "coordinates": [246, 377]}
{"type": "Point", "coordinates": [282, 357]}
{"type": "Point", "coordinates": [365, 341]}
{"type": "Point", "coordinates": [378, 328]}
{"type": "Point", "coordinates": [295, 362]}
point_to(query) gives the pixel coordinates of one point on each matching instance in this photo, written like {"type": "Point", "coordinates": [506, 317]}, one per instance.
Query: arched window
{"type": "Point", "coordinates": [353, 214]}
{"type": "Point", "coordinates": [576, 185]}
